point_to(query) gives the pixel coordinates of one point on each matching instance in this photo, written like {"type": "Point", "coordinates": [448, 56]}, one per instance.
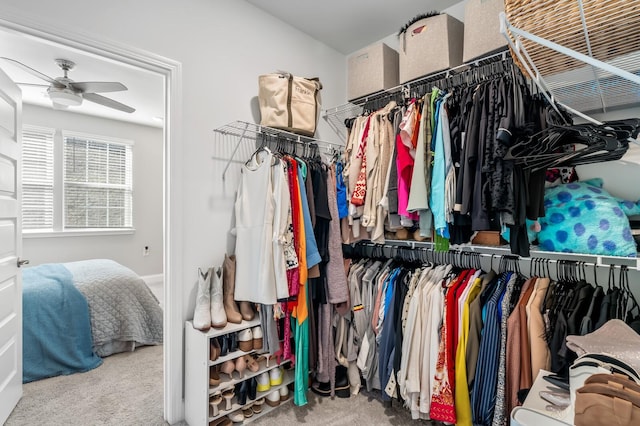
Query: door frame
{"type": "Point", "coordinates": [171, 70]}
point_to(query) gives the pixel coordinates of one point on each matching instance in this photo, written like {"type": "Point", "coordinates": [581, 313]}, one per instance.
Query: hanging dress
{"type": "Point", "coordinates": [254, 210]}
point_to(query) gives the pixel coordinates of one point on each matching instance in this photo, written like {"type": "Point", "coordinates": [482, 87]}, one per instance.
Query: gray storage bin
{"type": "Point", "coordinates": [371, 70]}
{"type": "Point", "coordinates": [482, 28]}
{"type": "Point", "coordinates": [430, 45]}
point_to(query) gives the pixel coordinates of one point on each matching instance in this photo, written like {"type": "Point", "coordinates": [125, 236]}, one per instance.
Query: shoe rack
{"type": "Point", "coordinates": [198, 391]}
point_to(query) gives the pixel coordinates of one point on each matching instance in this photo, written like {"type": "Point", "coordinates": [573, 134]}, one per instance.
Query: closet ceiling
{"type": "Point", "coordinates": [349, 25]}
{"type": "Point", "coordinates": [145, 90]}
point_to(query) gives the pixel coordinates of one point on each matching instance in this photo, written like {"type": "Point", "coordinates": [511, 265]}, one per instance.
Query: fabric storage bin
{"type": "Point", "coordinates": [371, 70]}
{"type": "Point", "coordinates": [430, 45]}
{"type": "Point", "coordinates": [482, 28]}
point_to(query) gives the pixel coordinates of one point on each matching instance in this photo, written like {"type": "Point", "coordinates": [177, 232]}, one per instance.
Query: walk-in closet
{"type": "Point", "coordinates": [417, 212]}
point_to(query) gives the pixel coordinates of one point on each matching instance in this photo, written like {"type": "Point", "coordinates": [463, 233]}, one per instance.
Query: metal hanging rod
{"type": "Point", "coordinates": [592, 259]}
{"type": "Point", "coordinates": [422, 80]}
{"type": "Point", "coordinates": [391, 248]}
{"type": "Point", "coordinates": [252, 132]}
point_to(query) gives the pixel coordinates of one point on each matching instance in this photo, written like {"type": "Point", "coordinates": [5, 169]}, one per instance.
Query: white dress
{"type": "Point", "coordinates": [254, 210]}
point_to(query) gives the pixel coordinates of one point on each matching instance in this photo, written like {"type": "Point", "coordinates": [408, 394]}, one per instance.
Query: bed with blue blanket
{"type": "Point", "coordinates": [76, 313]}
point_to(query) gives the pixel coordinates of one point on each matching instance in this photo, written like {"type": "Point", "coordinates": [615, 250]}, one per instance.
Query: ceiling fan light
{"type": "Point", "coordinates": [59, 106]}
{"type": "Point", "coordinates": [65, 97]}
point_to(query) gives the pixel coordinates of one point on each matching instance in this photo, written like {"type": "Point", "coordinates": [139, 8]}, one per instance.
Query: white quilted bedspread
{"type": "Point", "coordinates": [124, 312]}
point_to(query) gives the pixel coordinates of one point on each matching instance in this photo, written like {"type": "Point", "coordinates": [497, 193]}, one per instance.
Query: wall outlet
{"type": "Point", "coordinates": [145, 251]}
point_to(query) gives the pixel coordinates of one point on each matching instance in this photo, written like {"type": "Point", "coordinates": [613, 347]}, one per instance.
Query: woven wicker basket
{"type": "Point", "coordinates": [613, 28]}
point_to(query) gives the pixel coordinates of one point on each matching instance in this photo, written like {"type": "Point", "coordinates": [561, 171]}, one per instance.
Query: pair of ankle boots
{"type": "Point", "coordinates": [342, 388]}
{"type": "Point", "coordinates": [215, 305]}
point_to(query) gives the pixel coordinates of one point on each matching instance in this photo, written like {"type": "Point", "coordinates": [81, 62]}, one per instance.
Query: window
{"type": "Point", "coordinates": [97, 183]}
{"type": "Point", "coordinates": [85, 186]}
{"type": "Point", "coordinates": [37, 178]}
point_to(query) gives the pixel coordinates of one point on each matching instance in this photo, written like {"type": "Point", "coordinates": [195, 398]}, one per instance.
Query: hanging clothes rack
{"type": "Point", "coordinates": [252, 136]}
{"type": "Point", "coordinates": [336, 116]}
{"type": "Point", "coordinates": [589, 259]}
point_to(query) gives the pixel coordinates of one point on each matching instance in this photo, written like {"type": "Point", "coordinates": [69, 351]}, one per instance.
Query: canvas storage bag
{"type": "Point", "coordinates": [290, 103]}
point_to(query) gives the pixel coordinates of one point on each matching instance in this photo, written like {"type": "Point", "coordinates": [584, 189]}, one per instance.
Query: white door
{"type": "Point", "coordinates": [10, 247]}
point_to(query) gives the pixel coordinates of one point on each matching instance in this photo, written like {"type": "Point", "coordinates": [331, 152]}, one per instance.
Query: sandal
{"type": "Point", "coordinates": [228, 395]}
{"type": "Point", "coordinates": [256, 407]}
{"type": "Point", "coordinates": [214, 402]}
{"type": "Point", "coordinates": [247, 411]}
{"type": "Point", "coordinates": [252, 364]}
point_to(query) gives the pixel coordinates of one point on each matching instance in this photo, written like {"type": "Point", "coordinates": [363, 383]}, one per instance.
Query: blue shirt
{"type": "Point", "coordinates": [313, 256]}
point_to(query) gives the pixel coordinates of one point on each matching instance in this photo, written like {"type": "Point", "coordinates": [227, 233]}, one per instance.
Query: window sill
{"type": "Point", "coordinates": [78, 233]}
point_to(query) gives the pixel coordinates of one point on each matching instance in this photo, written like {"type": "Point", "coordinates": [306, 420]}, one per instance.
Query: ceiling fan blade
{"type": "Point", "coordinates": [107, 102]}
{"type": "Point", "coordinates": [97, 86]}
{"type": "Point", "coordinates": [44, 86]}
{"type": "Point", "coordinates": [33, 72]}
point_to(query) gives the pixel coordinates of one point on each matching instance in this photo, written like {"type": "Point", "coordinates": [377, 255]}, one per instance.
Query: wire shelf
{"type": "Point", "coordinates": [585, 52]}
{"type": "Point", "coordinates": [336, 116]}
{"type": "Point", "coordinates": [239, 139]}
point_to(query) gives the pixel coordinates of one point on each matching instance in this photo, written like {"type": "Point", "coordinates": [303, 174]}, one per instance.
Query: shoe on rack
{"type": "Point", "coordinates": [202, 312]}
{"type": "Point", "coordinates": [256, 333]}
{"type": "Point", "coordinates": [273, 398]}
{"type": "Point", "coordinates": [218, 316]}
{"type": "Point", "coordinates": [241, 365]}
{"type": "Point", "coordinates": [214, 376]}
{"type": "Point", "coordinates": [228, 287]}
{"type": "Point", "coordinates": [252, 364]}
{"type": "Point", "coordinates": [214, 349]}
{"type": "Point", "coordinates": [275, 376]}
{"type": "Point", "coordinates": [257, 406]}
{"type": "Point", "coordinates": [228, 395]}
{"type": "Point", "coordinates": [284, 393]}
{"type": "Point", "coordinates": [263, 383]}
{"type": "Point", "coordinates": [253, 386]}
{"type": "Point", "coordinates": [247, 412]}
{"type": "Point", "coordinates": [245, 340]}
{"type": "Point", "coordinates": [227, 368]}
{"type": "Point", "coordinates": [236, 416]}
{"type": "Point", "coordinates": [233, 342]}
{"type": "Point", "coordinates": [221, 421]}
{"type": "Point", "coordinates": [214, 403]}
{"type": "Point", "coordinates": [224, 344]}
{"type": "Point", "coordinates": [241, 390]}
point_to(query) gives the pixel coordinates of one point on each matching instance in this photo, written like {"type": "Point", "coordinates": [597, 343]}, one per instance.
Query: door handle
{"type": "Point", "coordinates": [22, 262]}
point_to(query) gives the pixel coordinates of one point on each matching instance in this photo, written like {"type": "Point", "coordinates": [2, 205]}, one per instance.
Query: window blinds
{"type": "Point", "coordinates": [37, 178]}
{"type": "Point", "coordinates": [97, 183]}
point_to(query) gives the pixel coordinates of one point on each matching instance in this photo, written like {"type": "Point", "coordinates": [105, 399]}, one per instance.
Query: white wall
{"type": "Point", "coordinates": [617, 175]}
{"type": "Point", "coordinates": [223, 46]}
{"type": "Point", "coordinates": [147, 198]}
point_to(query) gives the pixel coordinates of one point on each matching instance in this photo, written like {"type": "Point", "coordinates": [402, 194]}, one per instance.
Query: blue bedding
{"type": "Point", "coordinates": [56, 330]}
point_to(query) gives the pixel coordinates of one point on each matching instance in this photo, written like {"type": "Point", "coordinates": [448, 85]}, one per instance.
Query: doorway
{"type": "Point", "coordinates": [170, 71]}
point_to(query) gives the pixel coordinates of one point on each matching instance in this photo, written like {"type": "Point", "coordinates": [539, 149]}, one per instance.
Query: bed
{"type": "Point", "coordinates": [76, 313]}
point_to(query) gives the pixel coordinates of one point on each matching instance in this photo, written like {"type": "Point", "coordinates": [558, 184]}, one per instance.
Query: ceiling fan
{"type": "Point", "coordinates": [65, 92]}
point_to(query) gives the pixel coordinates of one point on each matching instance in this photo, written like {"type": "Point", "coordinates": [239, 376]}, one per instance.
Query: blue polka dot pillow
{"type": "Point", "coordinates": [582, 217]}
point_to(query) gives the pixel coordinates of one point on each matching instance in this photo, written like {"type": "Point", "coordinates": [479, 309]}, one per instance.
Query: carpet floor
{"type": "Point", "coordinates": [127, 390]}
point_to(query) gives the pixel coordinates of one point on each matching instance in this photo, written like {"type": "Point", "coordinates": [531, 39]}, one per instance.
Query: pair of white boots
{"type": "Point", "coordinates": [209, 309]}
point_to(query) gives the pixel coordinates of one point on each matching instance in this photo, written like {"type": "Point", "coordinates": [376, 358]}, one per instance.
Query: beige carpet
{"type": "Point", "coordinates": [363, 409]}
{"type": "Point", "coordinates": [127, 390]}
